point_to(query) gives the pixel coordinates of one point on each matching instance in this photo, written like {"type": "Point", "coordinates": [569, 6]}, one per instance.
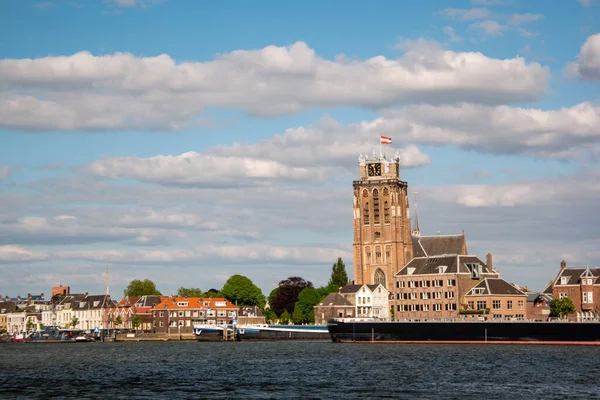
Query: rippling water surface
{"type": "Point", "coordinates": [275, 370]}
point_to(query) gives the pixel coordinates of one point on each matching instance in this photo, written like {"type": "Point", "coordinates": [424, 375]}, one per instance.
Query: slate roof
{"type": "Point", "coordinates": [533, 297]}
{"type": "Point", "coordinates": [454, 264]}
{"type": "Point", "coordinates": [7, 307]}
{"type": "Point", "coordinates": [574, 275]}
{"type": "Point", "coordinates": [334, 299]}
{"type": "Point", "coordinates": [350, 289]}
{"type": "Point", "coordinates": [194, 303]}
{"type": "Point", "coordinates": [373, 287]}
{"type": "Point", "coordinates": [424, 246]}
{"type": "Point", "coordinates": [495, 286]}
{"type": "Point", "coordinates": [93, 302]}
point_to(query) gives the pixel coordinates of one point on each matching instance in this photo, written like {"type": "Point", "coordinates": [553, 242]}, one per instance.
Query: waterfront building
{"type": "Point", "coordinates": [177, 315]}
{"type": "Point", "coordinates": [537, 307]}
{"type": "Point", "coordinates": [250, 315]}
{"type": "Point", "coordinates": [582, 286]}
{"type": "Point", "coordinates": [495, 299]}
{"type": "Point", "coordinates": [6, 307]}
{"type": "Point", "coordinates": [355, 301]}
{"type": "Point", "coordinates": [382, 230]}
{"type": "Point", "coordinates": [434, 287]}
{"type": "Point", "coordinates": [128, 308]}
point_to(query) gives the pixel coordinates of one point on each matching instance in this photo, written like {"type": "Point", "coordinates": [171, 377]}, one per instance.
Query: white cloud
{"type": "Point", "coordinates": [450, 33]}
{"type": "Point", "coordinates": [491, 23]}
{"type": "Point", "coordinates": [123, 91]}
{"type": "Point", "coordinates": [588, 65]}
{"type": "Point", "coordinates": [12, 254]}
{"type": "Point", "coordinates": [496, 129]}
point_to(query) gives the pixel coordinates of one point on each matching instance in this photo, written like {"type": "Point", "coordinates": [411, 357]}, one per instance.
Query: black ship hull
{"type": "Point", "coordinates": [466, 332]}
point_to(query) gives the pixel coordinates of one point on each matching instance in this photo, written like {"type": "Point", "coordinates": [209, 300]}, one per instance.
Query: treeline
{"type": "Point", "coordinates": [291, 301]}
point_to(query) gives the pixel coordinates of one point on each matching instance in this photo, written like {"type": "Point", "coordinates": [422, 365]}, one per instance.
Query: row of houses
{"type": "Point", "coordinates": [444, 282]}
{"type": "Point", "coordinates": [156, 314]}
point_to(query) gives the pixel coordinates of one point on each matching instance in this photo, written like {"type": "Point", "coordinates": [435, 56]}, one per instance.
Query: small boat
{"type": "Point", "coordinates": [82, 337]}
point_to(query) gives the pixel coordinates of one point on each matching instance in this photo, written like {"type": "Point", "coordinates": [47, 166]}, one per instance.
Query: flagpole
{"type": "Point", "coordinates": [380, 151]}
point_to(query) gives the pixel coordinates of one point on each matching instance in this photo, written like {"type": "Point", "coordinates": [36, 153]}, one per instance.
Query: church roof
{"type": "Point", "coordinates": [424, 246]}
{"type": "Point", "coordinates": [453, 263]}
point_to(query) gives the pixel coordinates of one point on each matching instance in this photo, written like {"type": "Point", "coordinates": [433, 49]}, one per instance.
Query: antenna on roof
{"type": "Point", "coordinates": [416, 231]}
{"type": "Point", "coordinates": [106, 280]}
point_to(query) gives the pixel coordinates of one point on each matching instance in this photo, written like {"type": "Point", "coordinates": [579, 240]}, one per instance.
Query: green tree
{"type": "Point", "coordinates": [141, 288]}
{"type": "Point", "coordinates": [136, 321]}
{"type": "Point", "coordinates": [270, 316]}
{"type": "Point", "coordinates": [74, 322]}
{"type": "Point", "coordinates": [241, 291]}
{"type": "Point", "coordinates": [339, 277]}
{"type": "Point", "coordinates": [284, 318]}
{"type": "Point", "coordinates": [118, 320]}
{"type": "Point", "coordinates": [30, 324]}
{"type": "Point", "coordinates": [286, 296]}
{"type": "Point", "coordinates": [308, 298]}
{"type": "Point", "coordinates": [560, 308]}
{"type": "Point", "coordinates": [189, 292]}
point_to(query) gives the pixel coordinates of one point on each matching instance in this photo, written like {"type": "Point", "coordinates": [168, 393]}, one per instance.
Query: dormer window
{"type": "Point", "coordinates": [478, 291]}
{"type": "Point", "coordinates": [475, 270]}
{"type": "Point", "coordinates": [442, 269]}
{"type": "Point", "coordinates": [410, 270]}
{"type": "Point", "coordinates": [182, 303]}
{"type": "Point", "coordinates": [564, 280]}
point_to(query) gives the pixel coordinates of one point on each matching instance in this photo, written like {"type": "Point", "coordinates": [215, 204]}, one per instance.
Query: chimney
{"type": "Point", "coordinates": [563, 265]}
{"type": "Point", "coordinates": [488, 261]}
{"type": "Point", "coordinates": [28, 295]}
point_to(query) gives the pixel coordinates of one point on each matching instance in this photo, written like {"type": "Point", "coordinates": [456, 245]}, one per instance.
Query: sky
{"type": "Point", "coordinates": [185, 141]}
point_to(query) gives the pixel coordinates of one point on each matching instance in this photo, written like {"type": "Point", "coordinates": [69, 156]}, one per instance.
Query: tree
{"type": "Point", "coordinates": [212, 292]}
{"type": "Point", "coordinates": [270, 316]}
{"type": "Point", "coordinates": [141, 288]}
{"type": "Point", "coordinates": [339, 277]}
{"type": "Point", "coordinates": [241, 291]}
{"type": "Point", "coordinates": [562, 307]}
{"type": "Point", "coordinates": [308, 298]}
{"type": "Point", "coordinates": [189, 292]}
{"type": "Point", "coordinates": [74, 322]}
{"type": "Point", "coordinates": [284, 318]}
{"type": "Point", "coordinates": [286, 296]}
{"type": "Point", "coordinates": [136, 321]}
{"type": "Point", "coordinates": [118, 320]}
{"type": "Point", "coordinates": [30, 324]}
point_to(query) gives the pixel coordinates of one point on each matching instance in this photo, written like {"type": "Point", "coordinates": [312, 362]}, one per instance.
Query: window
{"type": "Point", "coordinates": [377, 235]}
{"type": "Point", "coordinates": [375, 206]}
{"type": "Point", "coordinates": [587, 297]}
{"type": "Point", "coordinates": [425, 307]}
{"type": "Point", "coordinates": [451, 282]}
{"type": "Point", "coordinates": [496, 304]}
{"type": "Point", "coordinates": [386, 212]}
{"type": "Point", "coordinates": [521, 305]}
{"type": "Point", "coordinates": [188, 323]}
{"type": "Point", "coordinates": [481, 305]}
{"type": "Point", "coordinates": [589, 281]}
{"type": "Point", "coordinates": [437, 307]}
{"type": "Point", "coordinates": [424, 296]}
{"type": "Point", "coordinates": [449, 295]}
{"type": "Point", "coordinates": [562, 294]}
{"type": "Point", "coordinates": [188, 313]}
{"type": "Point", "coordinates": [368, 255]}
{"type": "Point", "coordinates": [379, 277]}
{"type": "Point", "coordinates": [478, 291]}
{"type": "Point", "coordinates": [450, 306]}
{"type": "Point", "coordinates": [161, 324]}
{"type": "Point", "coordinates": [366, 213]}
{"type": "Point", "coordinates": [377, 255]}
{"type": "Point", "coordinates": [181, 313]}
{"type": "Point", "coordinates": [387, 255]}
{"type": "Point", "coordinates": [471, 305]}
{"type": "Point", "coordinates": [475, 270]}
{"type": "Point", "coordinates": [497, 316]}
{"type": "Point", "coordinates": [181, 323]}
{"type": "Point", "coordinates": [564, 280]}
{"type": "Point", "coordinates": [509, 304]}
{"type": "Point", "coordinates": [437, 295]}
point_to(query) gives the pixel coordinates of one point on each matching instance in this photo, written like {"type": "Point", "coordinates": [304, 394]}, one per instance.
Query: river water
{"type": "Point", "coordinates": [299, 370]}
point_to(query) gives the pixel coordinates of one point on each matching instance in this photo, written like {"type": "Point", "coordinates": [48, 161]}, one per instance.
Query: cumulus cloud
{"type": "Point", "coordinates": [14, 254]}
{"type": "Point", "coordinates": [588, 65]}
{"type": "Point", "coordinates": [496, 129]}
{"type": "Point", "coordinates": [124, 91]}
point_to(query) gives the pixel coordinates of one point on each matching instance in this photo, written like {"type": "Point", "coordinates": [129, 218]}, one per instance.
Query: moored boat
{"type": "Point", "coordinates": [348, 330]}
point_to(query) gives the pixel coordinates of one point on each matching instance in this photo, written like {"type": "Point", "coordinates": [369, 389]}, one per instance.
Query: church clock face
{"type": "Point", "coordinates": [375, 169]}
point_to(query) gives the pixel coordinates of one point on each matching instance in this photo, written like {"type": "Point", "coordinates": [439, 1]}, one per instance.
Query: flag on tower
{"type": "Point", "coordinates": [385, 140]}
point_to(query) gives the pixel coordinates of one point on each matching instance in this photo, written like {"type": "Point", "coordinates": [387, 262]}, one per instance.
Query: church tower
{"type": "Point", "coordinates": [382, 231]}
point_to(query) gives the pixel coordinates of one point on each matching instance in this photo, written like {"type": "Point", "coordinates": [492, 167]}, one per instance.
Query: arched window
{"type": "Point", "coordinates": [375, 206]}
{"type": "Point", "coordinates": [379, 277]}
{"type": "Point", "coordinates": [377, 255]}
{"type": "Point", "coordinates": [367, 255]}
{"type": "Point", "coordinates": [386, 212]}
{"type": "Point", "coordinates": [366, 213]}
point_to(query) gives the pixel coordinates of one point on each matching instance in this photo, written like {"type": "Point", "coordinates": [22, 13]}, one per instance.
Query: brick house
{"type": "Point", "coordinates": [128, 308]}
{"type": "Point", "coordinates": [537, 307]}
{"type": "Point", "coordinates": [177, 315]}
{"type": "Point", "coordinates": [433, 287]}
{"type": "Point", "coordinates": [582, 286]}
{"type": "Point", "coordinates": [333, 306]}
{"type": "Point", "coordinates": [354, 301]}
{"type": "Point", "coordinates": [495, 299]}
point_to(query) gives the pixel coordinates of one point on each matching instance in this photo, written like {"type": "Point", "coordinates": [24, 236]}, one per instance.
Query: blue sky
{"type": "Point", "coordinates": [186, 141]}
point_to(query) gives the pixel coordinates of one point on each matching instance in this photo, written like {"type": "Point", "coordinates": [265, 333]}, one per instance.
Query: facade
{"type": "Point", "coordinates": [537, 307]}
{"type": "Point", "coordinates": [582, 286]}
{"type": "Point", "coordinates": [128, 308]}
{"type": "Point", "coordinates": [382, 231]}
{"type": "Point", "coordinates": [354, 301]}
{"type": "Point", "coordinates": [434, 288]}
{"type": "Point", "coordinates": [495, 299]}
{"type": "Point", "coordinates": [60, 290]}
{"type": "Point", "coordinates": [251, 315]}
{"type": "Point", "coordinates": [6, 307]}
{"type": "Point", "coordinates": [177, 315]}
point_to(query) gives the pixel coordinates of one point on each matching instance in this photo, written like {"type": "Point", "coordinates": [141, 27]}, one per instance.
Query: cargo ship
{"type": "Point", "coordinates": [517, 332]}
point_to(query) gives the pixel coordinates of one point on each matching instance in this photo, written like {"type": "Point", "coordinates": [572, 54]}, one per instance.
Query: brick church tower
{"type": "Point", "coordinates": [382, 231]}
